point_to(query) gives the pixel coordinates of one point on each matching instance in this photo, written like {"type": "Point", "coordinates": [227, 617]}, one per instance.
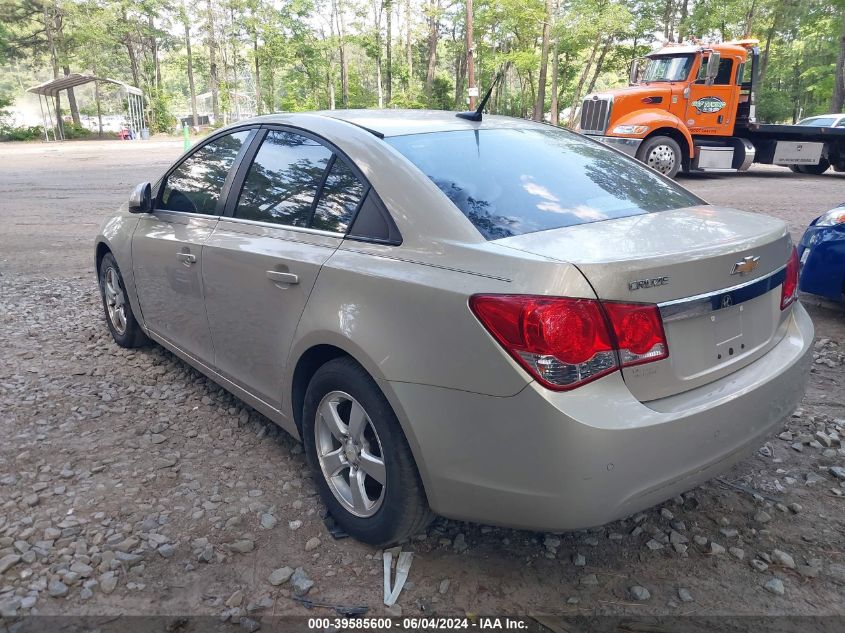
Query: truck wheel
{"type": "Point", "coordinates": [816, 170]}
{"type": "Point", "coordinates": [662, 154]}
{"type": "Point", "coordinates": [796, 169]}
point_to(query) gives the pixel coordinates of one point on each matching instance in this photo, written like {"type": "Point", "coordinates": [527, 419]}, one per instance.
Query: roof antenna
{"type": "Point", "coordinates": [476, 115]}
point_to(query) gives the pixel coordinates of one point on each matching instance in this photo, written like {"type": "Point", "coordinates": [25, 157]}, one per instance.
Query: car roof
{"type": "Point", "coordinates": [398, 122]}
{"type": "Point", "coordinates": [836, 115]}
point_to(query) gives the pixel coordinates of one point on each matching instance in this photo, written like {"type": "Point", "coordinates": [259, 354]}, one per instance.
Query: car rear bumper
{"type": "Point", "coordinates": [558, 461]}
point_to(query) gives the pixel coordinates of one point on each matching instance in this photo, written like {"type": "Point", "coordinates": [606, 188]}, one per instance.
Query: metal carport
{"type": "Point", "coordinates": [134, 101]}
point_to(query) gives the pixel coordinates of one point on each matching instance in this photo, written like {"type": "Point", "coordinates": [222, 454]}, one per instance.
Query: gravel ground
{"type": "Point", "coordinates": [131, 484]}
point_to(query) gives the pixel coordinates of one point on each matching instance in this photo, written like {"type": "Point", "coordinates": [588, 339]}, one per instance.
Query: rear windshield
{"type": "Point", "coordinates": [514, 181]}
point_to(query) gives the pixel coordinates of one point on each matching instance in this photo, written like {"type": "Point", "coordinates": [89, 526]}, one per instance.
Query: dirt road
{"type": "Point", "coordinates": [129, 483]}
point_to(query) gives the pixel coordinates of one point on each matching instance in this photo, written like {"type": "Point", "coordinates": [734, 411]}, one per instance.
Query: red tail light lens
{"type": "Point", "coordinates": [567, 342]}
{"type": "Point", "coordinates": [789, 290]}
{"type": "Point", "coordinates": [639, 332]}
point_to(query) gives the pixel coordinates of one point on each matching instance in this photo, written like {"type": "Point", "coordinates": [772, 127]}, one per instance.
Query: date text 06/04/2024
{"type": "Point", "coordinates": [481, 623]}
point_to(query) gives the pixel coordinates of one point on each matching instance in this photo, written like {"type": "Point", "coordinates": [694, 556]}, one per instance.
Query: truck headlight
{"type": "Point", "coordinates": [630, 129]}
{"type": "Point", "coordinates": [832, 217]}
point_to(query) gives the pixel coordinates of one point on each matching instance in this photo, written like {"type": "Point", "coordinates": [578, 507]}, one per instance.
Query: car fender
{"type": "Point", "coordinates": [116, 234]}
{"type": "Point", "coordinates": [656, 119]}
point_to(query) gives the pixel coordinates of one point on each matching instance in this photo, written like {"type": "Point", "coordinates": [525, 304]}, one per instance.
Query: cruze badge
{"type": "Point", "coordinates": [747, 265]}
{"type": "Point", "coordinates": [639, 284]}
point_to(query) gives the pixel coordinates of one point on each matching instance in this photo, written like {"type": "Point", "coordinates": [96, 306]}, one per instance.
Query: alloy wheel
{"type": "Point", "coordinates": [350, 454]}
{"type": "Point", "coordinates": [115, 300]}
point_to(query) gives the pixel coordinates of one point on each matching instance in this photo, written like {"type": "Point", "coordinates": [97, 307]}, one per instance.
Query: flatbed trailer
{"type": "Point", "coordinates": [694, 110]}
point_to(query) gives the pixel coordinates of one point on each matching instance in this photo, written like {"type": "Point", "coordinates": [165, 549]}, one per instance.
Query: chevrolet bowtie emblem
{"type": "Point", "coordinates": [746, 265]}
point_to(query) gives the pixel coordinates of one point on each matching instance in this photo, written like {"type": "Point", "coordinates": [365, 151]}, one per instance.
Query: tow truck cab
{"type": "Point", "coordinates": [692, 108]}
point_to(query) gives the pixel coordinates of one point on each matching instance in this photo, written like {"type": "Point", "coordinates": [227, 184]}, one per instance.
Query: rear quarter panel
{"type": "Point", "coordinates": [407, 319]}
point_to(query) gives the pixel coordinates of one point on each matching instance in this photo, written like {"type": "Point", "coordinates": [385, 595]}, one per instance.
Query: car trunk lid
{"type": "Point", "coordinates": [716, 274]}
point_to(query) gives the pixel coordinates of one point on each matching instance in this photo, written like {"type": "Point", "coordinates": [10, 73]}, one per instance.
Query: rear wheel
{"type": "Point", "coordinates": [816, 170]}
{"type": "Point", "coordinates": [362, 464]}
{"type": "Point", "coordinates": [662, 154]}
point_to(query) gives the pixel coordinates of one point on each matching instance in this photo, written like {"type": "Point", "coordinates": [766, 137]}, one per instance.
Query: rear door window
{"type": "Point", "coordinates": [283, 180]}
{"type": "Point", "coordinates": [339, 198]}
{"type": "Point", "coordinates": [195, 185]}
{"type": "Point", "coordinates": [514, 181]}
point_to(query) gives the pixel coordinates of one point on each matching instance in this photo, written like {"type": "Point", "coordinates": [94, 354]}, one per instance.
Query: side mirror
{"type": "Point", "coordinates": [634, 72]}
{"type": "Point", "coordinates": [141, 199]}
{"type": "Point", "coordinates": [712, 67]}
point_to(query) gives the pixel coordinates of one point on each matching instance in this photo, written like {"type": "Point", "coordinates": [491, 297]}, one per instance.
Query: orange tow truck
{"type": "Point", "coordinates": [691, 107]}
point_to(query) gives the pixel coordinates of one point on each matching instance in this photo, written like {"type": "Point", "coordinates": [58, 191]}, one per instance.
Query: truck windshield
{"type": "Point", "coordinates": [510, 181]}
{"type": "Point", "coordinates": [668, 68]}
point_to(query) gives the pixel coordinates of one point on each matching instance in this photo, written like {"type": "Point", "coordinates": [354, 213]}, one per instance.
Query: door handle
{"type": "Point", "coordinates": [186, 258]}
{"type": "Point", "coordinates": [282, 278]}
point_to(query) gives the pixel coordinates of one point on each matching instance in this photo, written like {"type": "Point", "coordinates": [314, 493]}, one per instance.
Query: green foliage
{"type": "Point", "coordinates": [273, 55]}
{"type": "Point", "coordinates": [73, 131]}
{"type": "Point", "coordinates": [24, 133]}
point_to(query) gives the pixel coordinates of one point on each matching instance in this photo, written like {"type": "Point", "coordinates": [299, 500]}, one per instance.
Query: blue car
{"type": "Point", "coordinates": [822, 256]}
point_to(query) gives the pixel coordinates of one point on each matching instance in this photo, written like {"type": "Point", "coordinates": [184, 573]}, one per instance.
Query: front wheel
{"type": "Point", "coordinates": [662, 154]}
{"type": "Point", "coordinates": [122, 323]}
{"type": "Point", "coordinates": [361, 461]}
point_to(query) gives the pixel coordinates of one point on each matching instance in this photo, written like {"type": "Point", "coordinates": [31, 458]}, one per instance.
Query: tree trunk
{"type": "Point", "coordinates": [555, 107]}
{"type": "Point", "coordinates": [576, 98]}
{"type": "Point", "coordinates": [460, 74]}
{"type": "Point", "coordinates": [389, 6]}
{"type": "Point", "coordinates": [191, 87]}
{"type": "Point", "coordinates": [213, 78]}
{"type": "Point", "coordinates": [154, 51]}
{"type": "Point", "coordinates": [540, 104]}
{"type": "Point", "coordinates": [682, 25]}
{"type": "Point", "coordinates": [49, 23]}
{"type": "Point", "coordinates": [71, 100]}
{"type": "Point", "coordinates": [433, 24]}
{"type": "Point", "coordinates": [668, 21]}
{"type": "Point", "coordinates": [470, 58]}
{"type": "Point", "coordinates": [337, 8]}
{"type": "Point", "coordinates": [749, 19]}
{"type": "Point", "coordinates": [409, 54]}
{"type": "Point", "coordinates": [58, 46]}
{"type": "Point", "coordinates": [97, 102]}
{"type": "Point", "coordinates": [130, 52]}
{"type": "Point", "coordinates": [377, 9]}
{"type": "Point", "coordinates": [764, 58]}
{"type": "Point", "coordinates": [258, 108]}
{"type": "Point", "coordinates": [838, 98]}
{"type": "Point", "coordinates": [599, 64]}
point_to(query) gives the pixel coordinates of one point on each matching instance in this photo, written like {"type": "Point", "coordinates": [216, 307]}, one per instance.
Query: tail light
{"type": "Point", "coordinates": [639, 332]}
{"type": "Point", "coordinates": [567, 342]}
{"type": "Point", "coordinates": [789, 290]}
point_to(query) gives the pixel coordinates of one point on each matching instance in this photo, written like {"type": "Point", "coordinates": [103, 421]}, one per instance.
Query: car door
{"type": "Point", "coordinates": [167, 243]}
{"type": "Point", "coordinates": [710, 107]}
{"type": "Point", "coordinates": [292, 207]}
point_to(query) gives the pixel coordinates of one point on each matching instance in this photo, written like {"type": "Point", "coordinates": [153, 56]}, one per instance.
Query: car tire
{"type": "Point", "coordinates": [343, 456]}
{"type": "Point", "coordinates": [662, 154]}
{"type": "Point", "coordinates": [120, 319]}
{"type": "Point", "coordinates": [816, 170]}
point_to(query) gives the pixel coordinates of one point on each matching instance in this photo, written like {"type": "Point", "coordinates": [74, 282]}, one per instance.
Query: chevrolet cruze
{"type": "Point", "coordinates": [496, 321]}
